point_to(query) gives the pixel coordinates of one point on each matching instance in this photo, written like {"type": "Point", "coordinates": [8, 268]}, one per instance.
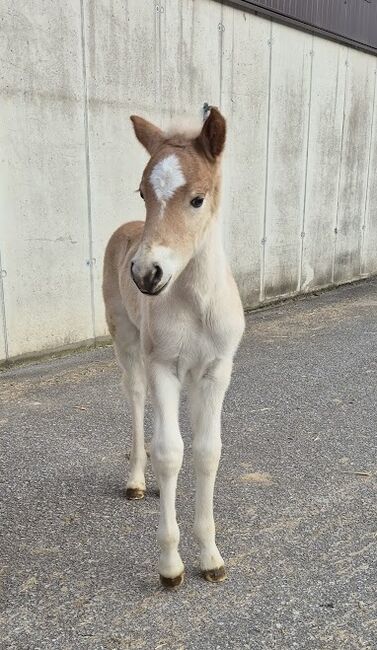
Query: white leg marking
{"type": "Point", "coordinates": [206, 399]}
{"type": "Point", "coordinates": [167, 455]}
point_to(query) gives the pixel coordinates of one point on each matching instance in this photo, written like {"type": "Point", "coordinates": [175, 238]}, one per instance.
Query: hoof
{"type": "Point", "coordinates": [214, 575]}
{"type": "Point", "coordinates": [172, 583]}
{"type": "Point", "coordinates": [133, 494]}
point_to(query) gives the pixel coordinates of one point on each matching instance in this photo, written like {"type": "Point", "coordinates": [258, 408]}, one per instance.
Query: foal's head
{"type": "Point", "coordinates": [180, 187]}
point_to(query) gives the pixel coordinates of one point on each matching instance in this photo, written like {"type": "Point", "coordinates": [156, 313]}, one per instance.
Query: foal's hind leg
{"type": "Point", "coordinates": [128, 351]}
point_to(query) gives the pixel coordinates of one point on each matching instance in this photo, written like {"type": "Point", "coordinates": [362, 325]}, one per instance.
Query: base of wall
{"type": "Point", "coordinates": [293, 295]}
{"type": "Point", "coordinates": [102, 341]}
{"type": "Point", "coordinates": [51, 353]}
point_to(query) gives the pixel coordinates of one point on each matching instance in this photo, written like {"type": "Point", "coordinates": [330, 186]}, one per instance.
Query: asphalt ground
{"type": "Point", "coordinates": [295, 499]}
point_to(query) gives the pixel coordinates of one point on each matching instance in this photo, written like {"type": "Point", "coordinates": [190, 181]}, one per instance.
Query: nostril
{"type": "Point", "coordinates": [157, 273]}
{"type": "Point", "coordinates": [149, 281]}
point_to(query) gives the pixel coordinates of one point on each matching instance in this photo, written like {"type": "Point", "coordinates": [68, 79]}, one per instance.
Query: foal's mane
{"type": "Point", "coordinates": [182, 130]}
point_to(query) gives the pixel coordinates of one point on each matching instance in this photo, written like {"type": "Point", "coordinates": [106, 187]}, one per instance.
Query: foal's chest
{"type": "Point", "coordinates": [191, 336]}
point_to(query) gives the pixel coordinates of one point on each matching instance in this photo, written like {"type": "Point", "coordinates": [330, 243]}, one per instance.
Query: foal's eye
{"type": "Point", "coordinates": [197, 201]}
{"type": "Point", "coordinates": [141, 194]}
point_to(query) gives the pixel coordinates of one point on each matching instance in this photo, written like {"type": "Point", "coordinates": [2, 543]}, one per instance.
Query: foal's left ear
{"type": "Point", "coordinates": [212, 136]}
{"type": "Point", "coordinates": [147, 133]}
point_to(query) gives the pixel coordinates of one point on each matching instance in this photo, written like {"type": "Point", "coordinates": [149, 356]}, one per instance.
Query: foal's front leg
{"type": "Point", "coordinates": [167, 455]}
{"type": "Point", "coordinates": [206, 397]}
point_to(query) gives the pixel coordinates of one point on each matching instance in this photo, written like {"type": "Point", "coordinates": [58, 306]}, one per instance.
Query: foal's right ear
{"type": "Point", "coordinates": [147, 133]}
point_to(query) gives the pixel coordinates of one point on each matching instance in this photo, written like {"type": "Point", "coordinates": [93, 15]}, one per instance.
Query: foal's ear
{"type": "Point", "coordinates": [212, 136]}
{"type": "Point", "coordinates": [147, 133]}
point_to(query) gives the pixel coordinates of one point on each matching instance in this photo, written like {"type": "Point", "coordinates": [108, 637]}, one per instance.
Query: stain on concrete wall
{"type": "Point", "coordinates": [246, 56]}
{"type": "Point", "coordinates": [369, 227]}
{"type": "Point", "coordinates": [323, 163]}
{"type": "Point", "coordinates": [299, 194]}
{"type": "Point", "coordinates": [43, 221]}
{"type": "Point", "coordinates": [288, 131]}
{"type": "Point", "coordinates": [358, 109]}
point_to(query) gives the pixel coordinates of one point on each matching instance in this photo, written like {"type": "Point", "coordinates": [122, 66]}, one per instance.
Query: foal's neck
{"type": "Point", "coordinates": [206, 273]}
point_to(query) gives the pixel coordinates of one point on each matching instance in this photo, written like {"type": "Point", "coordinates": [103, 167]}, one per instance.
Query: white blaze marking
{"type": "Point", "coordinates": [166, 177]}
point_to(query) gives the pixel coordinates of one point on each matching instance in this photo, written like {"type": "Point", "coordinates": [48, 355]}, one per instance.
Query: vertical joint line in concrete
{"type": "Point", "coordinates": [158, 57]}
{"type": "Point", "coordinates": [87, 163]}
{"type": "Point", "coordinates": [306, 169]}
{"type": "Point", "coordinates": [340, 170]}
{"type": "Point", "coordinates": [371, 132]}
{"type": "Point", "coordinates": [2, 307]}
{"type": "Point", "coordinates": [156, 67]}
{"type": "Point", "coordinates": [221, 43]}
{"type": "Point", "coordinates": [263, 251]}
{"type": "Point", "coordinates": [232, 89]}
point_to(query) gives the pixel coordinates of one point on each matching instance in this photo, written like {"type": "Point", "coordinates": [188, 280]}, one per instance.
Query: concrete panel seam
{"type": "Point", "coordinates": [263, 242]}
{"type": "Point", "coordinates": [221, 29]}
{"type": "Point", "coordinates": [158, 10]}
{"type": "Point", "coordinates": [340, 169]}
{"type": "Point", "coordinates": [362, 242]}
{"type": "Point", "coordinates": [87, 166]}
{"type": "Point", "coordinates": [3, 312]}
{"type": "Point", "coordinates": [306, 169]}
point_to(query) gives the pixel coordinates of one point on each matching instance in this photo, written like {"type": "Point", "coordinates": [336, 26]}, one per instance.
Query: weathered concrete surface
{"type": "Point", "coordinates": [299, 191]}
{"type": "Point", "coordinates": [295, 500]}
{"type": "Point", "coordinates": [43, 191]}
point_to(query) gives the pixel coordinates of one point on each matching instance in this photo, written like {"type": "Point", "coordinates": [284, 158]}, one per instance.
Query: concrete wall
{"type": "Point", "coordinates": [300, 189]}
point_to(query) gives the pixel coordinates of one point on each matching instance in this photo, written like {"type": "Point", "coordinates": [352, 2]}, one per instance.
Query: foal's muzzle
{"type": "Point", "coordinates": [148, 283]}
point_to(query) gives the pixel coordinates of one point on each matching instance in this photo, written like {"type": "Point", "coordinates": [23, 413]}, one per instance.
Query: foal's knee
{"type": "Point", "coordinates": [167, 456]}
{"type": "Point", "coordinates": [206, 454]}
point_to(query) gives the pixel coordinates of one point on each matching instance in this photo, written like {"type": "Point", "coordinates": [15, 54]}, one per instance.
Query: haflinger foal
{"type": "Point", "coordinates": [175, 315]}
